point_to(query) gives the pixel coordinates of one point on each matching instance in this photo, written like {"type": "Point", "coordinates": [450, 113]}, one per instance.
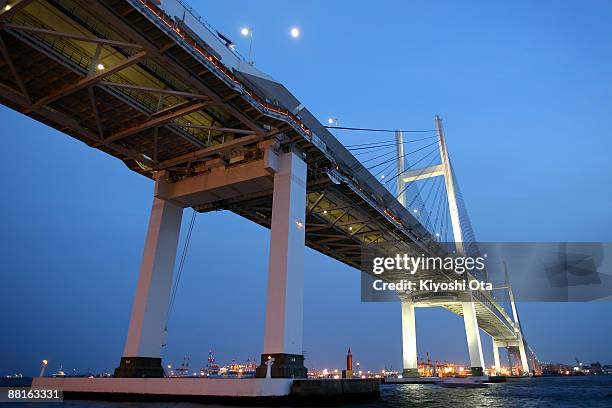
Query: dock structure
{"type": "Point", "coordinates": [153, 85]}
{"type": "Point", "coordinates": [245, 391]}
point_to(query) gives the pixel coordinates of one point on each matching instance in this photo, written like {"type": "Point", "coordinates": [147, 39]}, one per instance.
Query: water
{"type": "Point", "coordinates": [528, 392]}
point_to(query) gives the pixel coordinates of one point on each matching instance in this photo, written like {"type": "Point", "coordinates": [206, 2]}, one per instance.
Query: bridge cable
{"type": "Point", "coordinates": [372, 150]}
{"type": "Point", "coordinates": [385, 161]}
{"type": "Point", "coordinates": [422, 209]}
{"type": "Point", "coordinates": [446, 219]}
{"type": "Point", "coordinates": [379, 130]}
{"type": "Point", "coordinates": [401, 157]}
{"type": "Point", "coordinates": [390, 165]}
{"type": "Point", "coordinates": [180, 267]}
{"type": "Point", "coordinates": [427, 182]}
{"type": "Point", "coordinates": [384, 142]}
{"type": "Point", "coordinates": [435, 227]}
{"type": "Point", "coordinates": [413, 164]}
{"type": "Point", "coordinates": [410, 167]}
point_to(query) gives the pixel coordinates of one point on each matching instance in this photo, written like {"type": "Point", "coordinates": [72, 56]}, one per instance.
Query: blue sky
{"type": "Point", "coordinates": [524, 89]}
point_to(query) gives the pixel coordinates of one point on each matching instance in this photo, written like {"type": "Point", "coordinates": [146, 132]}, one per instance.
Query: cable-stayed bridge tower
{"type": "Point", "coordinates": [465, 303]}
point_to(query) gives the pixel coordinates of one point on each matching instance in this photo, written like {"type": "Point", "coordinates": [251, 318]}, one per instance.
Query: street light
{"type": "Point", "coordinates": [248, 32]}
{"type": "Point", "coordinates": [43, 365]}
{"type": "Point", "coordinates": [295, 32]}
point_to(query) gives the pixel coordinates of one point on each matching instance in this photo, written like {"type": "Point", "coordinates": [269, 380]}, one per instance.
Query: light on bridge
{"type": "Point", "coordinates": [7, 7]}
{"type": "Point", "coordinates": [100, 67]}
{"type": "Point", "coordinates": [246, 31]}
{"type": "Point", "coordinates": [295, 32]}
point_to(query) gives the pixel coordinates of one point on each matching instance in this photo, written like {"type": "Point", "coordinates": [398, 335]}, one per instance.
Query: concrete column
{"type": "Point", "coordinates": [523, 354]}
{"type": "Point", "coordinates": [409, 345]}
{"type": "Point", "coordinates": [473, 336]}
{"type": "Point", "coordinates": [496, 363]}
{"type": "Point", "coordinates": [285, 302]}
{"type": "Point", "coordinates": [449, 181]}
{"type": "Point", "coordinates": [141, 356]}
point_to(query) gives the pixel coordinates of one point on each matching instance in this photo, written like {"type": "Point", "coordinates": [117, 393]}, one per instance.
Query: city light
{"type": "Point", "coordinates": [295, 32]}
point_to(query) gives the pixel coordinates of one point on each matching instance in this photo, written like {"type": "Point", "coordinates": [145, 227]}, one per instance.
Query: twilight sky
{"type": "Point", "coordinates": [524, 89]}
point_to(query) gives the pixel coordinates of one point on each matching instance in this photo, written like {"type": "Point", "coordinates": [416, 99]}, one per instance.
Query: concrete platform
{"type": "Point", "coordinates": [246, 391]}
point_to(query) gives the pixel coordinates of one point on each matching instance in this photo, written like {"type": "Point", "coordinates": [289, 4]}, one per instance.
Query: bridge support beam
{"type": "Point", "coordinates": [523, 354]}
{"type": "Point", "coordinates": [142, 353]}
{"type": "Point", "coordinates": [409, 345]}
{"type": "Point", "coordinates": [496, 363]}
{"type": "Point", "coordinates": [285, 302]}
{"type": "Point", "coordinates": [473, 336]}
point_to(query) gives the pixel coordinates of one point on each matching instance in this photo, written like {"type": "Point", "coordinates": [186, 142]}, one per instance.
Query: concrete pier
{"type": "Point", "coordinates": [285, 299]}
{"type": "Point", "coordinates": [142, 353]}
{"type": "Point", "coordinates": [246, 391]}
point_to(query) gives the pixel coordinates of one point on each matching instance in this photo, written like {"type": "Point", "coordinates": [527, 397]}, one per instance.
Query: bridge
{"type": "Point", "coordinates": [155, 86]}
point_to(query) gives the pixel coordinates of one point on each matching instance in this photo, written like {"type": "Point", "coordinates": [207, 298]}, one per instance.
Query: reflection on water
{"type": "Point", "coordinates": [528, 392]}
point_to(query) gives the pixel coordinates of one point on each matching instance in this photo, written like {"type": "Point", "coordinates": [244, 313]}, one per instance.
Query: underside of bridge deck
{"type": "Point", "coordinates": [158, 100]}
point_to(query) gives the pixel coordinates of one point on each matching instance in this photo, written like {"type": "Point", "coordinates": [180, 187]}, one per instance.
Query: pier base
{"type": "Point", "coordinates": [410, 372]}
{"type": "Point", "coordinates": [477, 372]}
{"type": "Point", "coordinates": [231, 391]}
{"type": "Point", "coordinates": [140, 367]}
{"type": "Point", "coordinates": [285, 366]}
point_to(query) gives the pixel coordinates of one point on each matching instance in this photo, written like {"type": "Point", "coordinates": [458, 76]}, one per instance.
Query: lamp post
{"type": "Point", "coordinates": [43, 366]}
{"type": "Point", "coordinates": [248, 32]}
{"type": "Point", "coordinates": [334, 122]}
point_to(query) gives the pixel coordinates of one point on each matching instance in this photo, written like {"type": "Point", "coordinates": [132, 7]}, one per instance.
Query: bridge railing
{"type": "Point", "coordinates": [182, 12]}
